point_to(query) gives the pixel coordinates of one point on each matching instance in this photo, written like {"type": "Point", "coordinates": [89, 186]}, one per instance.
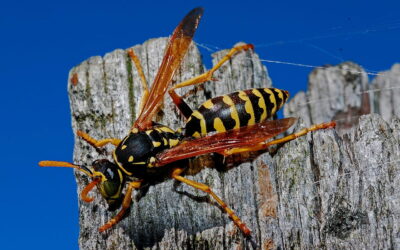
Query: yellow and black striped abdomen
{"type": "Point", "coordinates": [235, 110]}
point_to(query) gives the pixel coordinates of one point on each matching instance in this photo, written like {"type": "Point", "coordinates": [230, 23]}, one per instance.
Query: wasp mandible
{"type": "Point", "coordinates": [229, 124]}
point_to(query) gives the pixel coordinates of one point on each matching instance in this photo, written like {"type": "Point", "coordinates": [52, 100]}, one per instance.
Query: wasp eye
{"type": "Point", "coordinates": [111, 188]}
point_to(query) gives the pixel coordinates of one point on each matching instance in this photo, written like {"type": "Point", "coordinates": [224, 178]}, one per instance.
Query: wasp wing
{"type": "Point", "coordinates": [235, 138]}
{"type": "Point", "coordinates": [174, 53]}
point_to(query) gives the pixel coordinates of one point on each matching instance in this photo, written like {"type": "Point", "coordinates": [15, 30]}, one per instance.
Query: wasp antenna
{"type": "Point", "coordinates": [67, 165]}
{"type": "Point", "coordinates": [87, 189]}
{"type": "Point", "coordinates": [57, 164]}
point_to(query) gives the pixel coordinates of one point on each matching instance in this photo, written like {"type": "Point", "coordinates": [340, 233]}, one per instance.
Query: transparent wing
{"type": "Point", "coordinates": [174, 53]}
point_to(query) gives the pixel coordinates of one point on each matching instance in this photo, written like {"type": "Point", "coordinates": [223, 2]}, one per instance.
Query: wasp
{"type": "Point", "coordinates": [229, 124]}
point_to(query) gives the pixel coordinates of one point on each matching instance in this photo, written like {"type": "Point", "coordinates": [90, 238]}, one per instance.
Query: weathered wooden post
{"type": "Point", "coordinates": [318, 191]}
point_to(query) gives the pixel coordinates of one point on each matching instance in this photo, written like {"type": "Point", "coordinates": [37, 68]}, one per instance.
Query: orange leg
{"type": "Point", "coordinates": [176, 175]}
{"type": "Point", "coordinates": [95, 143]}
{"type": "Point", "coordinates": [88, 188]}
{"type": "Point", "coordinates": [207, 76]}
{"type": "Point", "coordinates": [126, 203]}
{"type": "Point", "coordinates": [139, 68]}
{"type": "Point", "coordinates": [265, 145]}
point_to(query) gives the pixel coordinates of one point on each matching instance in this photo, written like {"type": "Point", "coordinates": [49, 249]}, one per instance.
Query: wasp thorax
{"type": "Point", "coordinates": [135, 155]}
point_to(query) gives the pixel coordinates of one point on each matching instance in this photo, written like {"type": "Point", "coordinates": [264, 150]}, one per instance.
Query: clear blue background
{"type": "Point", "coordinates": [41, 40]}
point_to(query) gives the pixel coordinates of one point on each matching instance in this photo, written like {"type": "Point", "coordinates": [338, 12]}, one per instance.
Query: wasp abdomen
{"type": "Point", "coordinates": [235, 110]}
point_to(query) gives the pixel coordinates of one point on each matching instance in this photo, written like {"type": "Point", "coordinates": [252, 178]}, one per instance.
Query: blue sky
{"type": "Point", "coordinates": [41, 40]}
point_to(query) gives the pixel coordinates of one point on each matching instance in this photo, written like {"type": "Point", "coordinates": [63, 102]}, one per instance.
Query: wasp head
{"type": "Point", "coordinates": [109, 180]}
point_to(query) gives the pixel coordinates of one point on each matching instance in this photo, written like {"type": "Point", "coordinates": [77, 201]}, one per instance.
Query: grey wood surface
{"type": "Point", "coordinates": [330, 189]}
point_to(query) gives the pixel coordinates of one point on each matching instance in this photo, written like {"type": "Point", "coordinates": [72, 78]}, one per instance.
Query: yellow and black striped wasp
{"type": "Point", "coordinates": [228, 124]}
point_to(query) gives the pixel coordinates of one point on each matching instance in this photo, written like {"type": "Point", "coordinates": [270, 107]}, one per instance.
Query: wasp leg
{"type": "Point", "coordinates": [265, 145]}
{"type": "Point", "coordinates": [126, 203]}
{"type": "Point", "coordinates": [97, 143]}
{"type": "Point", "coordinates": [145, 86]}
{"type": "Point", "coordinates": [207, 76]}
{"type": "Point", "coordinates": [180, 104]}
{"type": "Point", "coordinates": [176, 175]}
